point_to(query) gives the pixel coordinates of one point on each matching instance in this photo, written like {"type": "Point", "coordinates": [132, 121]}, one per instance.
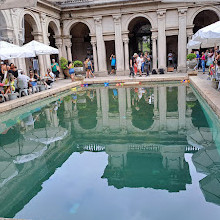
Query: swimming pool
{"type": "Point", "coordinates": [150, 152]}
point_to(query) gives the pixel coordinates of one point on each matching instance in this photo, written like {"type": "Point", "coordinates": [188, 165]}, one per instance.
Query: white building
{"type": "Point", "coordinates": [98, 28]}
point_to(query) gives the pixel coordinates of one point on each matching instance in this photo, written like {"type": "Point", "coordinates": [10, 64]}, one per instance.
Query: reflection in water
{"type": "Point", "coordinates": [146, 133]}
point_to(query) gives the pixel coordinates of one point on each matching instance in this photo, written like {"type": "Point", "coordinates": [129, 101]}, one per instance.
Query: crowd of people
{"type": "Point", "coordinates": [140, 64]}
{"type": "Point", "coordinates": [207, 59]}
{"type": "Point", "coordinates": [12, 79]}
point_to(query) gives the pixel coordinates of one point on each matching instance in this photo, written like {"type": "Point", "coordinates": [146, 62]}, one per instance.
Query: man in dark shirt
{"type": "Point", "coordinates": [13, 70]}
{"type": "Point", "coordinates": [132, 62]}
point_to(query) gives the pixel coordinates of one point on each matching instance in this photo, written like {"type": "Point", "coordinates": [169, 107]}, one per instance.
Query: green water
{"type": "Point", "coordinates": [146, 153]}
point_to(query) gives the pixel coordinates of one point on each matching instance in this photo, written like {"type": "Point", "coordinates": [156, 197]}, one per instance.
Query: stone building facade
{"type": "Point", "coordinates": [101, 28]}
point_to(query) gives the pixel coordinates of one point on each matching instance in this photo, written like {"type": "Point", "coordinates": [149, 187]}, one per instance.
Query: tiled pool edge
{"type": "Point", "coordinates": [10, 105]}
{"type": "Point", "coordinates": [209, 94]}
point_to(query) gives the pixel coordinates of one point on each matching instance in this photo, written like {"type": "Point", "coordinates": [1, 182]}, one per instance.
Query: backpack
{"type": "Point", "coordinates": [154, 72]}
{"type": "Point", "coordinates": [161, 71]}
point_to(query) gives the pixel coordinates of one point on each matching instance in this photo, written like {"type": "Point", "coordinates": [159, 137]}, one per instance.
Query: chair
{"type": "Point", "coordinates": [3, 98]}
{"type": "Point", "coordinates": [23, 87]}
{"type": "Point", "coordinates": [217, 77]}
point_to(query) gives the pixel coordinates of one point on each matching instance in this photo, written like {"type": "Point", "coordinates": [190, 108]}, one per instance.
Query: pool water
{"type": "Point", "coordinates": [145, 153]}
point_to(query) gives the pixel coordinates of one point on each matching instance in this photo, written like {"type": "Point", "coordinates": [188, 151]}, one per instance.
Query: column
{"type": "Point", "coordinates": [155, 100]}
{"type": "Point", "coordinates": [190, 34]}
{"type": "Point", "coordinates": [154, 51]}
{"type": "Point", "coordinates": [182, 40]}
{"type": "Point", "coordinates": [163, 107]}
{"type": "Point", "coordinates": [118, 43]}
{"type": "Point", "coordinates": [122, 107]}
{"type": "Point", "coordinates": [68, 45]}
{"type": "Point", "coordinates": [162, 38]}
{"type": "Point", "coordinates": [45, 39]}
{"type": "Point", "coordinates": [126, 52]}
{"type": "Point", "coordinates": [182, 106]}
{"type": "Point", "coordinates": [59, 44]}
{"type": "Point", "coordinates": [105, 107]}
{"type": "Point", "coordinates": [95, 59]}
{"type": "Point", "coordinates": [101, 51]}
{"type": "Point", "coordinates": [39, 37]}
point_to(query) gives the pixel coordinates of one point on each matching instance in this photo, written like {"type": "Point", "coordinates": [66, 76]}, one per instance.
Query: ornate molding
{"type": "Point", "coordinates": [98, 20]}
{"type": "Point", "coordinates": [182, 11]}
{"type": "Point", "coordinates": [126, 40]}
{"type": "Point", "coordinates": [161, 13]}
{"type": "Point", "coordinates": [117, 18]}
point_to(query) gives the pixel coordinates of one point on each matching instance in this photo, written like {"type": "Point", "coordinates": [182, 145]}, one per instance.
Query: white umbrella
{"type": "Point", "coordinates": [40, 48]}
{"type": "Point", "coordinates": [10, 51]}
{"type": "Point", "coordinates": [193, 44]}
{"type": "Point", "coordinates": [209, 35]}
{"type": "Point", "coordinates": [8, 4]}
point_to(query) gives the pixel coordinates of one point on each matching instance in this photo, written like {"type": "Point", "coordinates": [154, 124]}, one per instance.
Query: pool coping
{"type": "Point", "coordinates": [208, 93]}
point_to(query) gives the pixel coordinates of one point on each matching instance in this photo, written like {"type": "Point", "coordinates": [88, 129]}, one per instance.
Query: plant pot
{"type": "Point", "coordinates": [12, 96]}
{"type": "Point", "coordinates": [78, 69]}
{"type": "Point", "coordinates": [66, 73]}
{"type": "Point", "coordinates": [191, 64]}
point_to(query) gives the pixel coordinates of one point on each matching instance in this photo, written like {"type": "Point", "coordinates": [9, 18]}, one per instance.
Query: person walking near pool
{"type": "Point", "coordinates": [147, 63]}
{"type": "Point", "coordinates": [90, 68]}
{"type": "Point", "coordinates": [55, 68]}
{"type": "Point", "coordinates": [132, 63]}
{"type": "Point", "coordinates": [203, 62]}
{"type": "Point", "coordinates": [86, 67]}
{"type": "Point", "coordinates": [113, 64]}
{"type": "Point", "coordinates": [71, 70]}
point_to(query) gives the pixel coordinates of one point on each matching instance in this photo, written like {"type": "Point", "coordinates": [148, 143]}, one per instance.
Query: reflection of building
{"type": "Point", "coordinates": [158, 167]}
{"type": "Point", "coordinates": [90, 28]}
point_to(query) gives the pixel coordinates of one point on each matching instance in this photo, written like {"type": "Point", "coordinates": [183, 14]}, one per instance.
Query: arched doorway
{"type": "Point", "coordinates": [204, 18]}
{"type": "Point", "coordinates": [139, 35]}
{"type": "Point", "coordinates": [81, 42]}
{"type": "Point", "coordinates": [52, 41]}
{"type": "Point", "coordinates": [3, 27]}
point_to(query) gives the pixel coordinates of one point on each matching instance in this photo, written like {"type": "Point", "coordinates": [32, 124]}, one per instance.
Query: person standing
{"type": "Point", "coordinates": [203, 62]}
{"type": "Point", "coordinates": [147, 63]}
{"type": "Point", "coordinates": [86, 67]}
{"type": "Point", "coordinates": [70, 66]}
{"type": "Point", "coordinates": [55, 68]}
{"type": "Point", "coordinates": [170, 58]}
{"type": "Point", "coordinates": [113, 64]}
{"type": "Point", "coordinates": [138, 62]}
{"type": "Point", "coordinates": [90, 68]}
{"type": "Point", "coordinates": [142, 63]}
{"type": "Point", "coordinates": [132, 63]}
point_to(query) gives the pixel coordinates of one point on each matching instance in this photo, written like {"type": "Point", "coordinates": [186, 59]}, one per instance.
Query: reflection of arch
{"type": "Point", "coordinates": [214, 16]}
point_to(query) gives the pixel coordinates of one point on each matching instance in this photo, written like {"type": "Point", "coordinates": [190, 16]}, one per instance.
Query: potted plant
{"type": "Point", "coordinates": [78, 66]}
{"type": "Point", "coordinates": [191, 63]}
{"type": "Point", "coordinates": [63, 65]}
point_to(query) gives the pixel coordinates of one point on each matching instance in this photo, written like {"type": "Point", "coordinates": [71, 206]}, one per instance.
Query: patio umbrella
{"type": "Point", "coordinates": [8, 4]}
{"type": "Point", "coordinates": [46, 135]}
{"type": "Point", "coordinates": [10, 51]}
{"type": "Point", "coordinates": [193, 44]}
{"type": "Point", "coordinates": [209, 35]}
{"type": "Point", "coordinates": [210, 187]}
{"type": "Point", "coordinates": [40, 48]}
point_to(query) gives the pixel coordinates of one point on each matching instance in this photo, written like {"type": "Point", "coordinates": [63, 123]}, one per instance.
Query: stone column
{"type": "Point", "coordinates": [154, 51]}
{"type": "Point", "coordinates": [163, 107]}
{"type": "Point", "coordinates": [190, 34]}
{"type": "Point", "coordinates": [100, 45]}
{"type": "Point", "coordinates": [39, 37]}
{"type": "Point", "coordinates": [182, 40]}
{"type": "Point", "coordinates": [126, 49]}
{"type": "Point", "coordinates": [68, 45]}
{"type": "Point", "coordinates": [118, 44]}
{"type": "Point", "coordinates": [45, 38]}
{"type": "Point", "coordinates": [162, 56]}
{"type": "Point", "coordinates": [59, 44]}
{"type": "Point", "coordinates": [182, 106]}
{"type": "Point", "coordinates": [95, 59]}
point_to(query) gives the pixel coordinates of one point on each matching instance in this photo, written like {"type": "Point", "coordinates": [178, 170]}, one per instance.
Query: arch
{"type": "Point", "coordinates": [132, 17]}
{"type": "Point", "coordinates": [55, 25]}
{"type": "Point", "coordinates": [3, 26]}
{"type": "Point", "coordinates": [71, 24]}
{"type": "Point", "coordinates": [214, 9]}
{"type": "Point", "coordinates": [33, 20]}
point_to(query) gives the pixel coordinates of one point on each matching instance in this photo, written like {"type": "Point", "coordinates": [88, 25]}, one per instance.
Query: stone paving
{"type": "Point", "coordinates": [207, 90]}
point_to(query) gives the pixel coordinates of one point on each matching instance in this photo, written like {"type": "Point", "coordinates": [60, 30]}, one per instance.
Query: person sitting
{"type": "Point", "coordinates": [23, 81]}
{"type": "Point", "coordinates": [55, 68]}
{"type": "Point", "coordinates": [50, 77]}
{"type": "Point", "coordinates": [13, 70]}
{"type": "Point", "coordinates": [11, 87]}
{"type": "Point", "coordinates": [33, 79]}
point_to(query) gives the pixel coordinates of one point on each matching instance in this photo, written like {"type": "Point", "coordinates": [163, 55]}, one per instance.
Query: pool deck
{"type": "Point", "coordinates": [200, 82]}
{"type": "Point", "coordinates": [207, 91]}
